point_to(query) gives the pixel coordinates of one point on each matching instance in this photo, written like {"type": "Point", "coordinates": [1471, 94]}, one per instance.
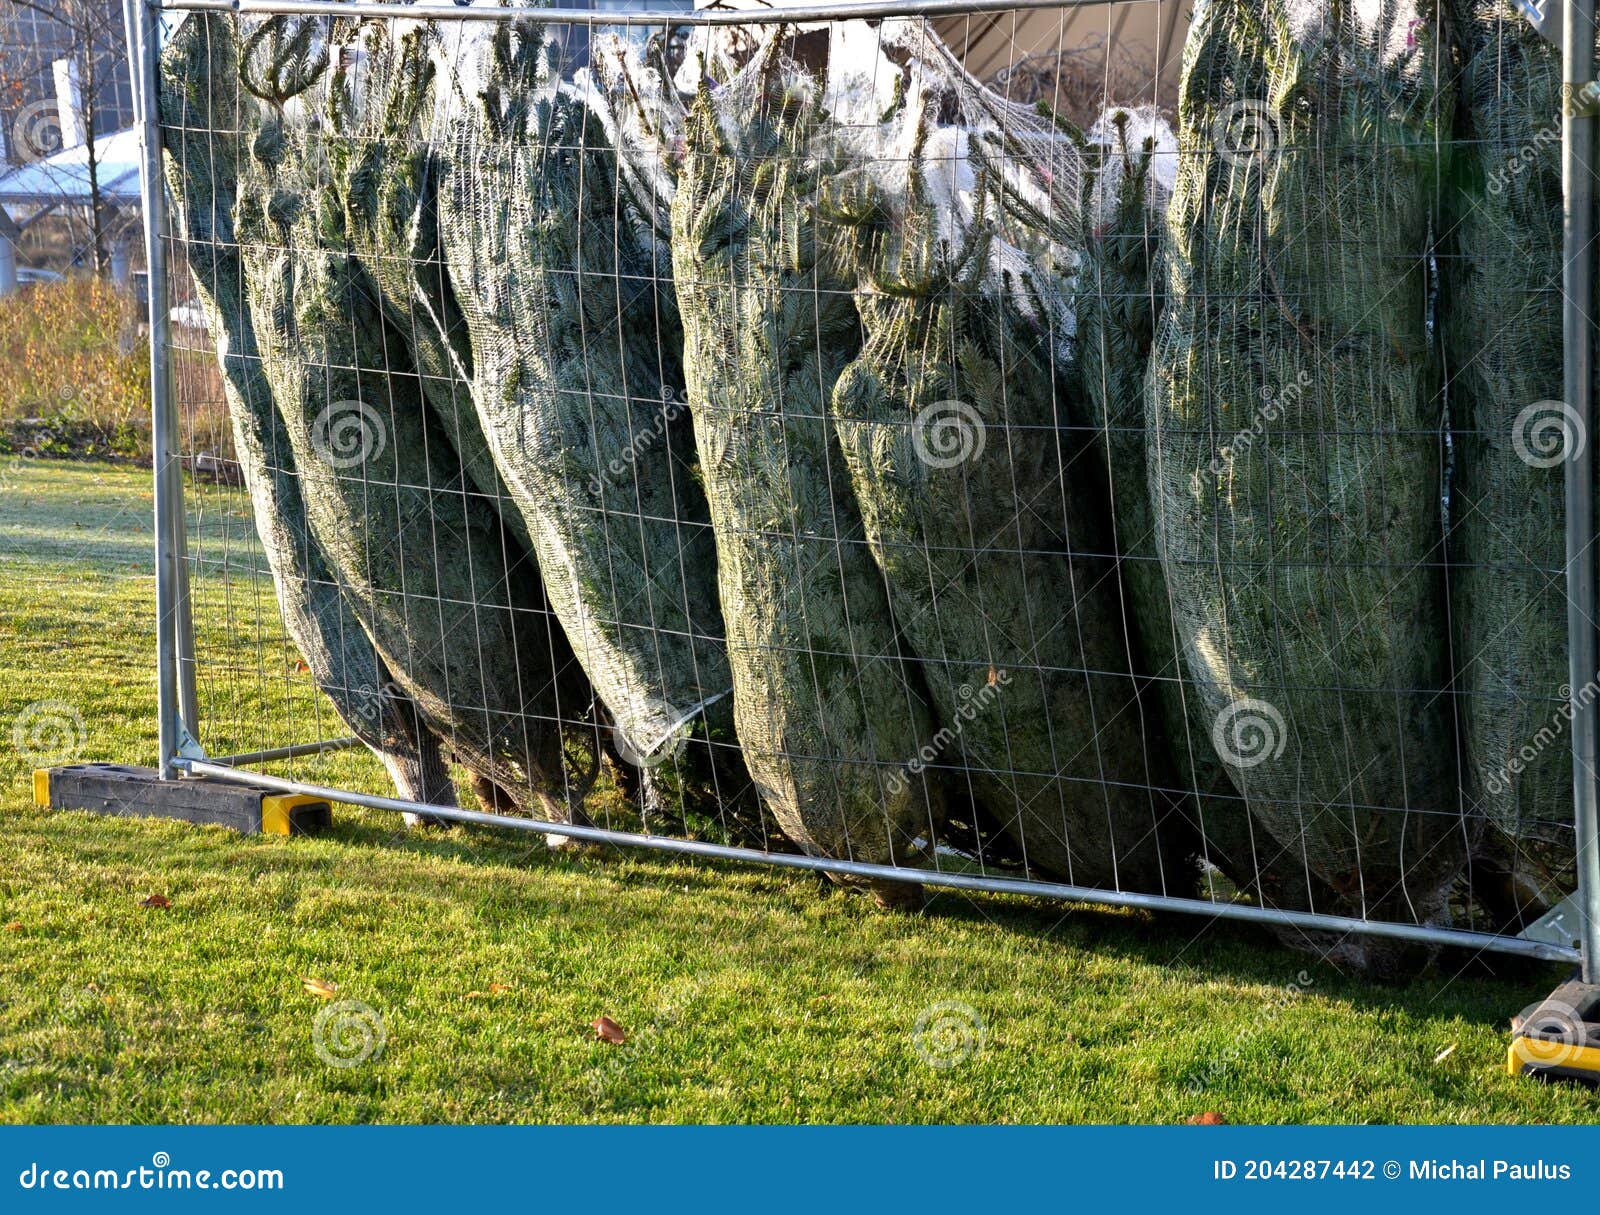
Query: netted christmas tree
{"type": "Point", "coordinates": [385, 162]}
{"type": "Point", "coordinates": [208, 126]}
{"type": "Point", "coordinates": [425, 557]}
{"type": "Point", "coordinates": [980, 496]}
{"type": "Point", "coordinates": [1500, 313]}
{"type": "Point", "coordinates": [566, 283]}
{"type": "Point", "coordinates": [1296, 428]}
{"type": "Point", "coordinates": [831, 716]}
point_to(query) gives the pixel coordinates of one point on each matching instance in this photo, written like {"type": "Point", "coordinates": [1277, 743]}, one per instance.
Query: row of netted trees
{"type": "Point", "coordinates": [888, 471]}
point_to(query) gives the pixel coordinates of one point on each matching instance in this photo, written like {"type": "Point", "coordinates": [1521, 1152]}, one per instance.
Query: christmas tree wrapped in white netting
{"type": "Point", "coordinates": [1297, 437]}
{"type": "Point", "coordinates": [1501, 317]}
{"type": "Point", "coordinates": [829, 711]}
{"type": "Point", "coordinates": [978, 484]}
{"type": "Point", "coordinates": [451, 605]}
{"type": "Point", "coordinates": [1132, 162]}
{"type": "Point", "coordinates": [209, 129]}
{"type": "Point", "coordinates": [566, 282]}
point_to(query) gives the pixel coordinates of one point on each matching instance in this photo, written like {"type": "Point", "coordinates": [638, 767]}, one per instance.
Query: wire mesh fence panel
{"type": "Point", "coordinates": [974, 448]}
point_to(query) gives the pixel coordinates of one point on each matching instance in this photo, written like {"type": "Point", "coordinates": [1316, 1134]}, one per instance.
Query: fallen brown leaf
{"type": "Point", "coordinates": [321, 988]}
{"type": "Point", "coordinates": [1209, 1118]}
{"type": "Point", "coordinates": [495, 989]}
{"type": "Point", "coordinates": [608, 1030]}
{"type": "Point", "coordinates": [159, 901]}
{"type": "Point", "coordinates": [14, 926]}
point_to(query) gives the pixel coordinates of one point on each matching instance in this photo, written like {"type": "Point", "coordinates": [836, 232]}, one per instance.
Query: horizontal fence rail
{"type": "Point", "coordinates": [654, 19]}
{"type": "Point", "coordinates": [951, 881]}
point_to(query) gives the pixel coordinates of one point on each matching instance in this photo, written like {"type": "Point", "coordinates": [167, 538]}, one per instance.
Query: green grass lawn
{"type": "Point", "coordinates": [481, 959]}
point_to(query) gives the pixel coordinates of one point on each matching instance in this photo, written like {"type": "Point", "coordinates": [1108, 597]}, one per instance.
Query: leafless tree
{"type": "Point", "coordinates": [90, 34]}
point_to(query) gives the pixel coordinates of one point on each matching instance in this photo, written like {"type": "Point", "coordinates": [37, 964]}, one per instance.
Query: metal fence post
{"type": "Point", "coordinates": [171, 607]}
{"type": "Point", "coordinates": [1577, 172]}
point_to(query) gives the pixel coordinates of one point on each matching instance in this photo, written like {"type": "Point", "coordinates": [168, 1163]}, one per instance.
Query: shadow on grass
{"type": "Point", "coordinates": [1486, 988]}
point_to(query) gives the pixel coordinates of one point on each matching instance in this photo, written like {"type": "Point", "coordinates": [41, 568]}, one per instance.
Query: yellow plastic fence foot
{"type": "Point", "coordinates": [1560, 1039]}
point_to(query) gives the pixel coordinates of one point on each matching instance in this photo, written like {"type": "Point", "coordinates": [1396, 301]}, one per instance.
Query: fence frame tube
{"type": "Point", "coordinates": [806, 14]}
{"type": "Point", "coordinates": [1577, 178]}
{"type": "Point", "coordinates": [176, 697]}
{"type": "Point", "coordinates": [1308, 921]}
{"type": "Point", "coordinates": [176, 692]}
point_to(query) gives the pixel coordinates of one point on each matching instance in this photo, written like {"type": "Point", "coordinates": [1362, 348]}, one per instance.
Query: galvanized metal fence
{"type": "Point", "coordinates": [895, 440]}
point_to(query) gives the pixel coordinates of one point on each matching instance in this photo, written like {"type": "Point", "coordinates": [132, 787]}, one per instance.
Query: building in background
{"type": "Point", "coordinates": [1076, 59]}
{"type": "Point", "coordinates": [66, 110]}
{"type": "Point", "coordinates": [37, 37]}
